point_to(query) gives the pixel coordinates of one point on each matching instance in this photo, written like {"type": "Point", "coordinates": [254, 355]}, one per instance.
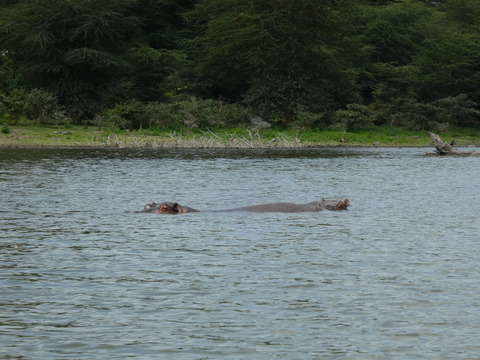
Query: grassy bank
{"type": "Point", "coordinates": [83, 136]}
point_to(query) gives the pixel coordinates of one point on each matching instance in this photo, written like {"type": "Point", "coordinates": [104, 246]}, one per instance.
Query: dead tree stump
{"type": "Point", "coordinates": [443, 148]}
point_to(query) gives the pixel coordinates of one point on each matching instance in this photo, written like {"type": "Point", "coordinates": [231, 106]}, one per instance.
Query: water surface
{"type": "Point", "coordinates": [395, 276]}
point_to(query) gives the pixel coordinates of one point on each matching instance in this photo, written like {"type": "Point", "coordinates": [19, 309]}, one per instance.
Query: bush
{"type": "Point", "coordinates": [135, 115]}
{"type": "Point", "coordinates": [354, 117]}
{"type": "Point", "coordinates": [195, 113]}
{"type": "Point", "coordinates": [257, 123]}
{"type": "Point", "coordinates": [438, 115]}
{"type": "Point", "coordinates": [414, 115]}
{"type": "Point", "coordinates": [190, 114]}
{"type": "Point", "coordinates": [6, 130]}
{"type": "Point", "coordinates": [308, 120]}
{"type": "Point", "coordinates": [3, 107]}
{"type": "Point", "coordinates": [405, 112]}
{"type": "Point", "coordinates": [457, 110]}
{"type": "Point", "coordinates": [128, 115]}
{"type": "Point", "coordinates": [37, 105]}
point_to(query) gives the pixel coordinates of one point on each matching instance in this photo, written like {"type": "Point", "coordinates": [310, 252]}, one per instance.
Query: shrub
{"type": "Point", "coordinates": [198, 113]}
{"type": "Point", "coordinates": [355, 116]}
{"type": "Point", "coordinates": [457, 110]}
{"type": "Point", "coordinates": [169, 116]}
{"type": "Point", "coordinates": [257, 123]}
{"type": "Point", "coordinates": [40, 105]}
{"type": "Point", "coordinates": [190, 114]}
{"type": "Point", "coordinates": [309, 120]}
{"type": "Point", "coordinates": [127, 115]}
{"type": "Point", "coordinates": [6, 130]}
{"type": "Point", "coordinates": [413, 115]}
{"type": "Point", "coordinates": [37, 105]}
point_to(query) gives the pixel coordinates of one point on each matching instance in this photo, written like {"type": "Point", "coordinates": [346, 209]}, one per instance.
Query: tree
{"type": "Point", "coordinates": [449, 60]}
{"type": "Point", "coordinates": [9, 75]}
{"type": "Point", "coordinates": [75, 49]}
{"type": "Point", "coordinates": [463, 13]}
{"type": "Point", "coordinates": [280, 56]}
{"type": "Point", "coordinates": [159, 60]}
{"type": "Point", "coordinates": [393, 34]}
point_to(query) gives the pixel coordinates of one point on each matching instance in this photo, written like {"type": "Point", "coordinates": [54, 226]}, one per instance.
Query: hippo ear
{"type": "Point", "coordinates": [175, 207]}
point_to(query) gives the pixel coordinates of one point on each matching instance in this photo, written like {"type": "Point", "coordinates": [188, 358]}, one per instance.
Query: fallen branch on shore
{"type": "Point", "coordinates": [443, 148]}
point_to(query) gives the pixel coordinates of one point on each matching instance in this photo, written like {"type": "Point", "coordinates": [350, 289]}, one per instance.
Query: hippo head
{"type": "Point", "coordinates": [169, 208]}
{"type": "Point", "coordinates": [335, 205]}
{"type": "Point", "coordinates": [173, 208]}
{"type": "Point", "coordinates": [342, 205]}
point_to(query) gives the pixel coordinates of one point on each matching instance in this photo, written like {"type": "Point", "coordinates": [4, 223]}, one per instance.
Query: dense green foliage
{"type": "Point", "coordinates": [344, 64]}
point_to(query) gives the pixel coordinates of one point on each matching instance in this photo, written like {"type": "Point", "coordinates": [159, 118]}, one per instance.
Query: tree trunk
{"type": "Point", "coordinates": [443, 148]}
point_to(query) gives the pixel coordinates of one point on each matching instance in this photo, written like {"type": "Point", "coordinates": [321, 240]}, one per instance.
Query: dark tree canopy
{"type": "Point", "coordinates": [75, 49]}
{"type": "Point", "coordinates": [389, 62]}
{"type": "Point", "coordinates": [278, 56]}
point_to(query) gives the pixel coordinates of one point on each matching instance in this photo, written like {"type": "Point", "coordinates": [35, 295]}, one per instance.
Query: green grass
{"type": "Point", "coordinates": [91, 136]}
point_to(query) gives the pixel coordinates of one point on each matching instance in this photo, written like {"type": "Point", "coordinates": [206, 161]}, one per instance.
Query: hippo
{"type": "Point", "coordinates": [149, 208]}
{"type": "Point", "coordinates": [293, 208]}
{"type": "Point", "coordinates": [166, 208]}
{"type": "Point", "coordinates": [315, 206]}
{"type": "Point", "coordinates": [174, 208]}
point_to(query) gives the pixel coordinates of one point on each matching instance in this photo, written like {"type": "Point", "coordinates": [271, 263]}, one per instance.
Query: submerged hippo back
{"type": "Point", "coordinates": [314, 206]}
{"type": "Point", "coordinates": [281, 207]}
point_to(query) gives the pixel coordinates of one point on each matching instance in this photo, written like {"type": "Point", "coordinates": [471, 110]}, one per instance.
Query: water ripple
{"type": "Point", "coordinates": [396, 276]}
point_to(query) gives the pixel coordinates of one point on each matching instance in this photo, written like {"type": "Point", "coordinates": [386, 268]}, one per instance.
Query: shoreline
{"type": "Point", "coordinates": [179, 147]}
{"type": "Point", "coordinates": [82, 137]}
{"type": "Point", "coordinates": [187, 145]}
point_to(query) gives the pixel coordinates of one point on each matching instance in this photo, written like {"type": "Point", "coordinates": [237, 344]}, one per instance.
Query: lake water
{"type": "Point", "coordinates": [397, 276]}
